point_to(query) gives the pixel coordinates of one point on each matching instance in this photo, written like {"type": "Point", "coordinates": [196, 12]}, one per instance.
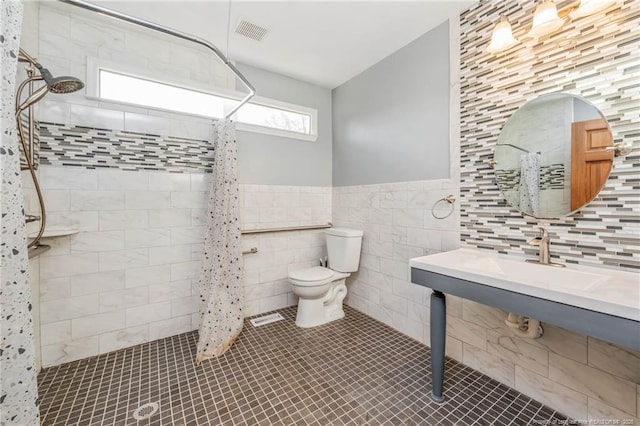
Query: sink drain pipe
{"type": "Point", "coordinates": [524, 326]}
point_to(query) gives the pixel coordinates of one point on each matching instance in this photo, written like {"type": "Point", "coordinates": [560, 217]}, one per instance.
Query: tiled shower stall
{"type": "Point", "coordinates": [133, 182]}
{"type": "Point", "coordinates": [130, 274]}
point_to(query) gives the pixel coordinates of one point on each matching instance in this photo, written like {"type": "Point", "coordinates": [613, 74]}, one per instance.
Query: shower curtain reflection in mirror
{"type": "Point", "coordinates": [530, 183]}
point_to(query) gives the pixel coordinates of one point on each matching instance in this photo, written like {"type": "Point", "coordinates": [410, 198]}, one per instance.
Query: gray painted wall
{"type": "Point", "coordinates": [583, 111]}
{"type": "Point", "coordinates": [275, 160]}
{"type": "Point", "coordinates": [391, 122]}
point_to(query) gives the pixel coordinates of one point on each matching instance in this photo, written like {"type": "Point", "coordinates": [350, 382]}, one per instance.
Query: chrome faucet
{"type": "Point", "coordinates": [543, 242]}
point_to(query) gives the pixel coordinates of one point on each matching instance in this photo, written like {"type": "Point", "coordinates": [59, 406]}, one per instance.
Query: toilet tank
{"type": "Point", "coordinates": [343, 249]}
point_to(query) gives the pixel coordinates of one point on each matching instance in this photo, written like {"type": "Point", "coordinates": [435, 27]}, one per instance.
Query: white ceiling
{"type": "Point", "coordinates": [322, 42]}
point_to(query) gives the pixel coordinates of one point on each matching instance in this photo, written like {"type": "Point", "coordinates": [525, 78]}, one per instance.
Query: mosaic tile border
{"type": "Point", "coordinates": [551, 177]}
{"type": "Point", "coordinates": [65, 145]}
{"type": "Point", "coordinates": [600, 64]}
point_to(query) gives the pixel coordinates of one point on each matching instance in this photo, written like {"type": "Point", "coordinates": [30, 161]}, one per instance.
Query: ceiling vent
{"type": "Point", "coordinates": [251, 30]}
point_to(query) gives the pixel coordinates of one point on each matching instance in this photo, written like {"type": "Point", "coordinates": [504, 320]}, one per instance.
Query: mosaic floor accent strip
{"type": "Point", "coordinates": [354, 371]}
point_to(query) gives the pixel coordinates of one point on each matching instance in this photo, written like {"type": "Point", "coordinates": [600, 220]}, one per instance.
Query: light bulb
{"type": "Point", "coordinates": [501, 37]}
{"type": "Point", "coordinates": [545, 19]}
{"type": "Point", "coordinates": [589, 7]}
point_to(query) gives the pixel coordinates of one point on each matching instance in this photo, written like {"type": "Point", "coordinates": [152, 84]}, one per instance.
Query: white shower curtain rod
{"type": "Point", "coordinates": [156, 27]}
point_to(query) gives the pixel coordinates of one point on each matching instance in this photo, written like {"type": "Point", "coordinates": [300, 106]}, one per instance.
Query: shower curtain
{"type": "Point", "coordinates": [530, 183]}
{"type": "Point", "coordinates": [221, 290]}
{"type": "Point", "coordinates": [18, 387]}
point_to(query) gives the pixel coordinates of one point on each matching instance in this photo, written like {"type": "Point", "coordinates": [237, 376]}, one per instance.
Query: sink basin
{"type": "Point", "coordinates": [532, 273]}
{"type": "Point", "coordinates": [598, 289]}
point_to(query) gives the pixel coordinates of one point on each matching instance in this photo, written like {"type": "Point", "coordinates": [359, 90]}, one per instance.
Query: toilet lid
{"type": "Point", "coordinates": [317, 273]}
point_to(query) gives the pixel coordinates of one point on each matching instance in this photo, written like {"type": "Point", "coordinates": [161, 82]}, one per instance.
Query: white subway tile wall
{"type": "Point", "coordinates": [130, 274]}
{"type": "Point", "coordinates": [398, 225]}
{"type": "Point", "coordinates": [266, 284]}
{"type": "Point", "coordinates": [34, 281]}
{"type": "Point", "coordinates": [68, 38]}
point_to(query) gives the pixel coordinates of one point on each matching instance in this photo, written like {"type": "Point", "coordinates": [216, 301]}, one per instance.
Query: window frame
{"type": "Point", "coordinates": [95, 65]}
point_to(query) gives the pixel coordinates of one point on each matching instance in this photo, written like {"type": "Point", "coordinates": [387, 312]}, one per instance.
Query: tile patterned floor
{"type": "Point", "coordinates": [355, 371]}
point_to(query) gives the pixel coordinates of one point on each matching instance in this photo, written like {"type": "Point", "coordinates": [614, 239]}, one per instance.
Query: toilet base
{"type": "Point", "coordinates": [307, 321]}
{"type": "Point", "coordinates": [322, 310]}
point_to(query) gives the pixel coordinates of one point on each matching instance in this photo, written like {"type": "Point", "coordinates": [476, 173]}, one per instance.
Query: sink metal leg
{"type": "Point", "coordinates": [438, 332]}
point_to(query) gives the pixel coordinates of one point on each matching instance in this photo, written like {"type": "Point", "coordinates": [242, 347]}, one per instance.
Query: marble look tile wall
{"type": "Point", "coordinates": [34, 280]}
{"type": "Point", "coordinates": [68, 36]}
{"type": "Point", "coordinates": [127, 276]}
{"type": "Point", "coordinates": [130, 274]}
{"type": "Point", "coordinates": [398, 225]}
{"type": "Point", "coordinates": [578, 375]}
{"type": "Point", "coordinates": [276, 206]}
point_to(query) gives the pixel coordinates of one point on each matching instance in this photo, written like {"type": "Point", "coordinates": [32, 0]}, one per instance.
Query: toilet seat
{"type": "Point", "coordinates": [309, 277]}
{"type": "Point", "coordinates": [318, 275]}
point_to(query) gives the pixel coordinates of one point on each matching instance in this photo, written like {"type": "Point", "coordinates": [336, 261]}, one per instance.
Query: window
{"type": "Point", "coordinates": [133, 90]}
{"type": "Point", "coordinates": [260, 115]}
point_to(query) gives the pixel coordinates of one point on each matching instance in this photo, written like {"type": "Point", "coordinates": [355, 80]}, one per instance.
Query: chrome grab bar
{"type": "Point", "coordinates": [156, 27]}
{"type": "Point", "coordinates": [285, 229]}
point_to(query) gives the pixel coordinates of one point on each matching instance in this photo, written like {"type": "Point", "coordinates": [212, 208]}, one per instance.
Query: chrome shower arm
{"type": "Point", "coordinates": [166, 30]}
{"type": "Point", "coordinates": [25, 57]}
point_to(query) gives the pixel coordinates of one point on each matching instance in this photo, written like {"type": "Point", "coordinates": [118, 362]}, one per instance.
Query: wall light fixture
{"type": "Point", "coordinates": [546, 19]}
{"type": "Point", "coordinates": [502, 37]}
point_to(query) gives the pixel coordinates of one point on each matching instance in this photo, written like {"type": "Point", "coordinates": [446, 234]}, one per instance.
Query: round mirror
{"type": "Point", "coordinates": [551, 157]}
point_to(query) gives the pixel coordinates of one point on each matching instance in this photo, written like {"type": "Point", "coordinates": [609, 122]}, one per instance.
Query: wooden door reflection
{"type": "Point", "coordinates": [590, 162]}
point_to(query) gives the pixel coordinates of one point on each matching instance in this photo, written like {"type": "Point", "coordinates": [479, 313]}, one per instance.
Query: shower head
{"type": "Point", "coordinates": [60, 85]}
{"type": "Point", "coordinates": [65, 84]}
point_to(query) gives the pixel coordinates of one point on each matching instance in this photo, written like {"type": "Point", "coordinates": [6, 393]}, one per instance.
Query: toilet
{"type": "Point", "coordinates": [321, 290]}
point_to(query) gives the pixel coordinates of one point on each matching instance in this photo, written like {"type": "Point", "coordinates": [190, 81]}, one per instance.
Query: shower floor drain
{"type": "Point", "coordinates": [145, 411]}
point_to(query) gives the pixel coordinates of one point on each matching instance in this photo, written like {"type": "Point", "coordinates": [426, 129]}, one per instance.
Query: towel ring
{"type": "Point", "coordinates": [450, 199]}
